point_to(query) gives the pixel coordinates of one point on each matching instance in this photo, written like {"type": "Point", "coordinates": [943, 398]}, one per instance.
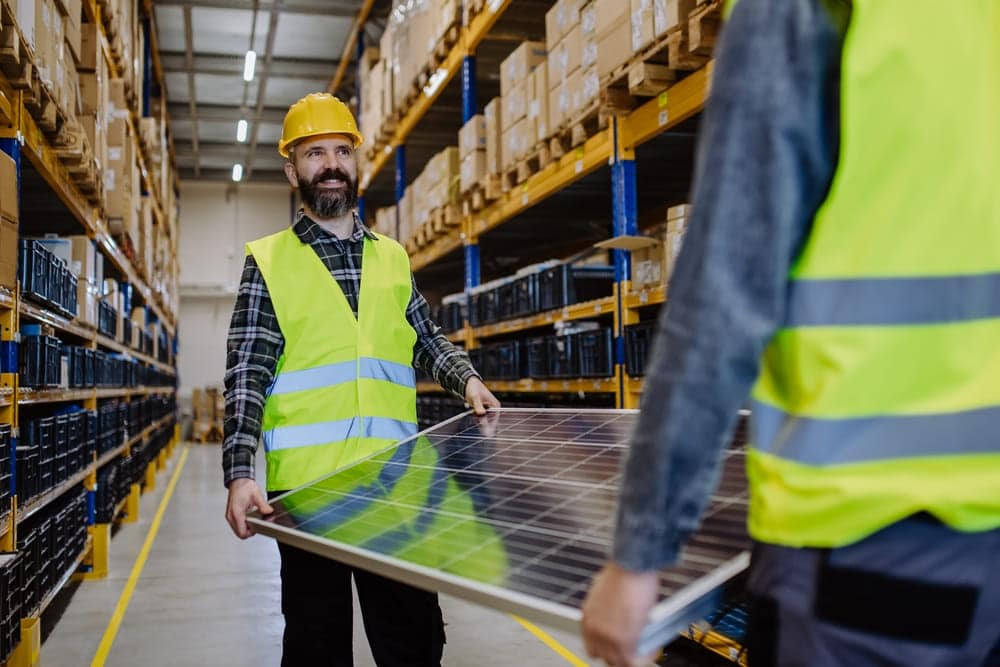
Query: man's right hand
{"type": "Point", "coordinates": [244, 495]}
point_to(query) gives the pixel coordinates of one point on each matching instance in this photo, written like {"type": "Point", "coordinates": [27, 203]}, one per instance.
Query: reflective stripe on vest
{"type": "Point", "coordinates": [347, 371]}
{"type": "Point", "coordinates": [344, 387]}
{"type": "Point", "coordinates": [880, 396]}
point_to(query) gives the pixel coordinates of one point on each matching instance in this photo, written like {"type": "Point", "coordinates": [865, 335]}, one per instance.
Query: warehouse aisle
{"type": "Point", "coordinates": [205, 598]}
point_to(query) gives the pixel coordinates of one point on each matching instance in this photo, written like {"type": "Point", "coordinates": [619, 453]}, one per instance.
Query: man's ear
{"type": "Point", "coordinates": [291, 175]}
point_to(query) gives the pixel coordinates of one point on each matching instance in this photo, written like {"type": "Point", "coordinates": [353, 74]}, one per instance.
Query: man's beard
{"type": "Point", "coordinates": [326, 203]}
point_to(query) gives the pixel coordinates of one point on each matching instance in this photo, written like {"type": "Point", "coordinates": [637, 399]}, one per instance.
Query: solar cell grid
{"type": "Point", "coordinates": [514, 510]}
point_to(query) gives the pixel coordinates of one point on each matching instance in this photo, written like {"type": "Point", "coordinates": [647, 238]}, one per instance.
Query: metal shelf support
{"type": "Point", "coordinates": [400, 180]}
{"type": "Point", "coordinates": [470, 102]}
{"type": "Point", "coordinates": [625, 216]}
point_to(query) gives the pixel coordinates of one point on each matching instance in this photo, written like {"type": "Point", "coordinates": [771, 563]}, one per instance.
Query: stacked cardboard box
{"type": "Point", "coordinates": [517, 130]}
{"type": "Point", "coordinates": [8, 222]}
{"type": "Point", "coordinates": [472, 152]}
{"type": "Point", "coordinates": [614, 35]}
{"type": "Point", "coordinates": [385, 221]}
{"type": "Point", "coordinates": [494, 142]}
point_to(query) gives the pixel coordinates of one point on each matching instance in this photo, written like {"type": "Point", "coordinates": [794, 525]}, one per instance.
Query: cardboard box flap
{"type": "Point", "coordinates": [627, 243]}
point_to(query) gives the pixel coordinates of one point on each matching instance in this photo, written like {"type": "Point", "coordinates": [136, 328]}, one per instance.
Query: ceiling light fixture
{"type": "Point", "coordinates": [237, 173]}
{"type": "Point", "coordinates": [241, 130]}
{"type": "Point", "coordinates": [248, 65]}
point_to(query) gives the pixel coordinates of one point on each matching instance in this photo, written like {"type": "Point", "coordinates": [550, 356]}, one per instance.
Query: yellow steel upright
{"type": "Point", "coordinates": [8, 407]}
{"type": "Point", "coordinates": [97, 560]}
{"type": "Point", "coordinates": [29, 650]}
{"type": "Point", "coordinates": [150, 479]}
{"type": "Point", "coordinates": [132, 504]}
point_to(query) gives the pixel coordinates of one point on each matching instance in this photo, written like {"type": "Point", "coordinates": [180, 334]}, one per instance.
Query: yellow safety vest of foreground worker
{"type": "Point", "coordinates": [344, 386]}
{"type": "Point", "coordinates": [880, 397]}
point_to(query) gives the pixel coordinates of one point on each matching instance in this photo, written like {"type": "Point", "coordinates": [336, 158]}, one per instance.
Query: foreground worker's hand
{"type": "Point", "coordinates": [479, 397]}
{"type": "Point", "coordinates": [615, 613]}
{"type": "Point", "coordinates": [244, 495]}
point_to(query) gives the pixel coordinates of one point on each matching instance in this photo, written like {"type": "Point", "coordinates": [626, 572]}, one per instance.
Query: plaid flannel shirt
{"type": "Point", "coordinates": [255, 342]}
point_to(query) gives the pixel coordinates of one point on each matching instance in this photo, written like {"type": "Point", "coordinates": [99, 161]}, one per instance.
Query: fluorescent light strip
{"type": "Point", "coordinates": [237, 173]}
{"type": "Point", "coordinates": [248, 65]}
{"type": "Point", "coordinates": [241, 130]}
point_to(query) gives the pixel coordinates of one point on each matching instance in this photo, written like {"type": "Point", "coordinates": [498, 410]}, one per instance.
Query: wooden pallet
{"type": "Point", "coordinates": [444, 218]}
{"type": "Point", "coordinates": [481, 194]}
{"type": "Point", "coordinates": [703, 27]}
{"type": "Point", "coordinates": [583, 126]}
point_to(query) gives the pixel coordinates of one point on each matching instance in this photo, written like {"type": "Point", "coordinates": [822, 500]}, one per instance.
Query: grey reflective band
{"type": "Point", "coordinates": [334, 374]}
{"type": "Point", "coordinates": [823, 442]}
{"type": "Point", "coordinates": [893, 301]}
{"type": "Point", "coordinates": [322, 433]}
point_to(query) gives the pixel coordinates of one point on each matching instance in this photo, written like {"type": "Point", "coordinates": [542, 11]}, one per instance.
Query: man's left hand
{"type": "Point", "coordinates": [479, 397]}
{"type": "Point", "coordinates": [615, 612]}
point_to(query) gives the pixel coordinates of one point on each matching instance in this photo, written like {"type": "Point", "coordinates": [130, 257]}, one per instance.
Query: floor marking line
{"type": "Point", "coordinates": [116, 618]}
{"type": "Point", "coordinates": [550, 641]}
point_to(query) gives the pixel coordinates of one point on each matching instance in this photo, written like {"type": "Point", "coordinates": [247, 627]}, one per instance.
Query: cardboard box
{"type": "Point", "coordinates": [472, 136]}
{"type": "Point", "coordinates": [516, 67]}
{"type": "Point", "coordinates": [84, 258]}
{"type": "Point", "coordinates": [609, 15]}
{"type": "Point", "coordinates": [538, 107]}
{"type": "Point", "coordinates": [560, 20]}
{"type": "Point", "coordinates": [25, 16]}
{"type": "Point", "coordinates": [8, 254]}
{"type": "Point", "coordinates": [668, 14]}
{"type": "Point", "coordinates": [90, 48]}
{"type": "Point", "coordinates": [648, 256]}
{"type": "Point", "coordinates": [591, 85]}
{"type": "Point", "coordinates": [72, 29]}
{"type": "Point", "coordinates": [86, 302]}
{"type": "Point", "coordinates": [558, 106]}
{"type": "Point", "coordinates": [588, 20]}
{"type": "Point", "coordinates": [642, 24]}
{"type": "Point", "coordinates": [614, 48]}
{"type": "Point", "coordinates": [494, 152]}
{"type": "Point", "coordinates": [473, 169]}
{"type": "Point", "coordinates": [8, 188]}
{"type": "Point", "coordinates": [574, 86]}
{"type": "Point", "coordinates": [514, 105]}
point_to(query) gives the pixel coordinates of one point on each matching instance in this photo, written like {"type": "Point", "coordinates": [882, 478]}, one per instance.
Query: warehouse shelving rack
{"type": "Point", "coordinates": [614, 146]}
{"type": "Point", "coordinates": [39, 170]}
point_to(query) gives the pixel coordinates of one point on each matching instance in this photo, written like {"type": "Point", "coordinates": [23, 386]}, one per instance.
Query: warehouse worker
{"type": "Point", "coordinates": [327, 328]}
{"type": "Point", "coordinates": [842, 268]}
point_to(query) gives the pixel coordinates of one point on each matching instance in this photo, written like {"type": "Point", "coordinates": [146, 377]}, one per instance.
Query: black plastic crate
{"type": "Point", "coordinates": [562, 357]}
{"type": "Point", "coordinates": [5, 476]}
{"type": "Point", "coordinates": [27, 473]}
{"type": "Point", "coordinates": [107, 319]}
{"type": "Point", "coordinates": [506, 304]}
{"type": "Point", "coordinates": [595, 352]}
{"type": "Point", "coordinates": [10, 603]}
{"type": "Point", "coordinates": [32, 370]}
{"type": "Point", "coordinates": [638, 338]}
{"type": "Point", "coordinates": [525, 295]}
{"type": "Point", "coordinates": [565, 284]}
{"type": "Point", "coordinates": [536, 351]}
{"type": "Point", "coordinates": [451, 315]}
{"type": "Point", "coordinates": [34, 269]}
{"type": "Point", "coordinates": [504, 360]}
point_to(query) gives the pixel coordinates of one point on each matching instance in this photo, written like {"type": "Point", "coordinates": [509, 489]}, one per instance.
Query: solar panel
{"type": "Point", "coordinates": [514, 511]}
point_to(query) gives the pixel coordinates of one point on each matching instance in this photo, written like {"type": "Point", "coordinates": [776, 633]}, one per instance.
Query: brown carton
{"type": "Point", "coordinates": [8, 188]}
{"type": "Point", "coordinates": [472, 136]}
{"type": "Point", "coordinates": [516, 67]}
{"type": "Point", "coordinates": [574, 86]}
{"type": "Point", "coordinates": [90, 48]}
{"type": "Point", "coordinates": [609, 15]}
{"type": "Point", "coordinates": [538, 107]}
{"type": "Point", "coordinates": [494, 152]}
{"type": "Point", "coordinates": [642, 24]}
{"type": "Point", "coordinates": [614, 48]}
{"type": "Point", "coordinates": [514, 105]}
{"type": "Point", "coordinates": [668, 14]}
{"type": "Point", "coordinates": [72, 28]}
{"type": "Point", "coordinates": [473, 169]}
{"type": "Point", "coordinates": [8, 254]}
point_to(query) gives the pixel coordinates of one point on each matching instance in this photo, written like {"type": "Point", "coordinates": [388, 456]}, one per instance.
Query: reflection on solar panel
{"type": "Point", "coordinates": [514, 511]}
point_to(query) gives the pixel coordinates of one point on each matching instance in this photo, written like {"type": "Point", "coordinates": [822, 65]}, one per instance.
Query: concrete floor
{"type": "Point", "coordinates": [206, 598]}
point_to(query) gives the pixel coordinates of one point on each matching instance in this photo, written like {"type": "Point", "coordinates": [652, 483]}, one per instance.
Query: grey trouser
{"type": "Point", "coordinates": [916, 594]}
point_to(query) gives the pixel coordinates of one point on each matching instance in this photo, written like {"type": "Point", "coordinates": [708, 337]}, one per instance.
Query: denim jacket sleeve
{"type": "Point", "coordinates": [766, 156]}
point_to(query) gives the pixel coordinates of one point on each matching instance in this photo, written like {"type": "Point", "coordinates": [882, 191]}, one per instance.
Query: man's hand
{"type": "Point", "coordinates": [615, 613]}
{"type": "Point", "coordinates": [479, 397]}
{"type": "Point", "coordinates": [244, 495]}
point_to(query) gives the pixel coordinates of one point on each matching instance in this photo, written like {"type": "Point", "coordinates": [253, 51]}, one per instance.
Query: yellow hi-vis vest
{"type": "Point", "coordinates": [880, 396]}
{"type": "Point", "coordinates": [344, 386]}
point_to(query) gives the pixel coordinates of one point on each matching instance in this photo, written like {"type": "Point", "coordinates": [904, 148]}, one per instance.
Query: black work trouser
{"type": "Point", "coordinates": [403, 624]}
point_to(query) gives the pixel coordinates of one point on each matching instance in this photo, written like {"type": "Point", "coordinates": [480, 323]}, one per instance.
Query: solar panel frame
{"type": "Point", "coordinates": [671, 616]}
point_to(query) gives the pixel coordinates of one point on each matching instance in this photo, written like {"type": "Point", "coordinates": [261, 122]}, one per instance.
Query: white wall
{"type": "Point", "coordinates": [216, 220]}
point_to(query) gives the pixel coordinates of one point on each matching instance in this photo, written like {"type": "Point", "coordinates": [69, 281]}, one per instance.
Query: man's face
{"type": "Point", "coordinates": [325, 170]}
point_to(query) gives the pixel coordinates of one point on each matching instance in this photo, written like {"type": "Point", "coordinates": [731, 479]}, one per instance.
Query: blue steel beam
{"type": "Point", "coordinates": [400, 180]}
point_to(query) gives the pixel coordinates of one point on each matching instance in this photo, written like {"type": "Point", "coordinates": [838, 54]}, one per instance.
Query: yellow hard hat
{"type": "Point", "coordinates": [315, 114]}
